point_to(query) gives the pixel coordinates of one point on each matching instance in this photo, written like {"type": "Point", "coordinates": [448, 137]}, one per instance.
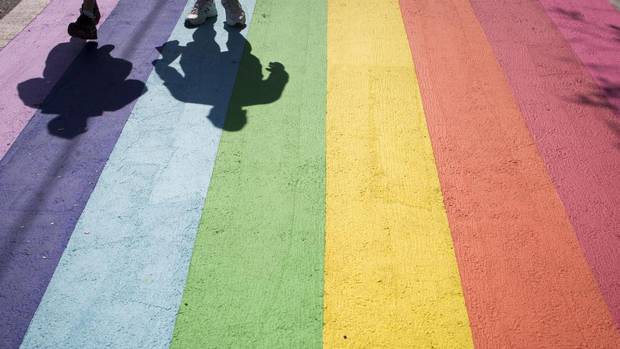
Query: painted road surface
{"type": "Point", "coordinates": [370, 174]}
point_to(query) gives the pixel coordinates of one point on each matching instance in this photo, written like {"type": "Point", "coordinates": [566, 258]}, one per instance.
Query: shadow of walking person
{"type": "Point", "coordinates": [204, 70]}
{"type": "Point", "coordinates": [95, 83]}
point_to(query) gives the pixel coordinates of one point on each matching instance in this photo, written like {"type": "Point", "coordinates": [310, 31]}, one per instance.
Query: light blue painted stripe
{"type": "Point", "coordinates": [120, 280]}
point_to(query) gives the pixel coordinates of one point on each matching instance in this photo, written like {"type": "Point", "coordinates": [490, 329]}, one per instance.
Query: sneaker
{"type": "Point", "coordinates": [202, 10]}
{"type": "Point", "coordinates": [234, 13]}
{"type": "Point", "coordinates": [85, 27]}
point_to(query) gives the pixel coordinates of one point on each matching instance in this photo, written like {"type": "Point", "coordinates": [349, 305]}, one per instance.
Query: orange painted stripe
{"type": "Point", "coordinates": [525, 278]}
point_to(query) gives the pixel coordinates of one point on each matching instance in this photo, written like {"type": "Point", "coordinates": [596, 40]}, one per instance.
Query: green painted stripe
{"type": "Point", "coordinates": [256, 275]}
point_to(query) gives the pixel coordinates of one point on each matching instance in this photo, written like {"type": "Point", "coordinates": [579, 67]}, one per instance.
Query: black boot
{"type": "Point", "coordinates": [85, 27]}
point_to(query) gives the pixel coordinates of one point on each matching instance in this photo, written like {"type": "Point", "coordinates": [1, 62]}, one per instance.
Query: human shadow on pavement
{"type": "Point", "coordinates": [94, 83]}
{"type": "Point", "coordinates": [205, 72]}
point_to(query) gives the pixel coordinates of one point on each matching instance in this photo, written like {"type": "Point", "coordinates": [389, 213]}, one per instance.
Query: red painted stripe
{"type": "Point", "coordinates": [525, 278]}
{"type": "Point", "coordinates": [574, 135]}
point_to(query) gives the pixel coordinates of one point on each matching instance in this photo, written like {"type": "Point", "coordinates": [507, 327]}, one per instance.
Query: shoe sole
{"type": "Point", "coordinates": [196, 23]}
{"type": "Point", "coordinates": [236, 24]}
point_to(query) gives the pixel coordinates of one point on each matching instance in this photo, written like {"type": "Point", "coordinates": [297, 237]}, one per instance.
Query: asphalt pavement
{"type": "Point", "coordinates": [6, 6]}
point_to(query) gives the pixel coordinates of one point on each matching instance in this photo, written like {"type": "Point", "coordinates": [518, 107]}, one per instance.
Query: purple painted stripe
{"type": "Point", "coordinates": [50, 171]}
{"type": "Point", "coordinates": [25, 57]}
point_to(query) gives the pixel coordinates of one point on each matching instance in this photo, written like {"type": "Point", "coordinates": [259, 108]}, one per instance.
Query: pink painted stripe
{"type": "Point", "coordinates": [592, 29]}
{"type": "Point", "coordinates": [577, 138]}
{"type": "Point", "coordinates": [24, 58]}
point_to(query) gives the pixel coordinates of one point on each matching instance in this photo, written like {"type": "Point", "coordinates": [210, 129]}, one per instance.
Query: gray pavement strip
{"type": "Point", "coordinates": [6, 6]}
{"type": "Point", "coordinates": [17, 17]}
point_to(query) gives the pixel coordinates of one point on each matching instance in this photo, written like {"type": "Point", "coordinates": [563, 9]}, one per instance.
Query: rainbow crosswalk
{"type": "Point", "coordinates": [370, 174]}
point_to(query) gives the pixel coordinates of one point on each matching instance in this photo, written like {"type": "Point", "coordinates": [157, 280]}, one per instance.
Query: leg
{"type": "Point", "coordinates": [90, 9]}
{"type": "Point", "coordinates": [89, 5]}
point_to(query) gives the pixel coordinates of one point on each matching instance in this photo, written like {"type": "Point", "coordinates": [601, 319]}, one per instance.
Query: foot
{"type": "Point", "coordinates": [202, 10]}
{"type": "Point", "coordinates": [85, 27]}
{"type": "Point", "coordinates": [235, 17]}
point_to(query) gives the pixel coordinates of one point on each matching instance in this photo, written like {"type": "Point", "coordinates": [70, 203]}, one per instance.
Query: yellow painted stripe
{"type": "Point", "coordinates": [391, 278]}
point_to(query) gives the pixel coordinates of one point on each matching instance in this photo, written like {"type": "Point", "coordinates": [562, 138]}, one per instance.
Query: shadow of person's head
{"type": "Point", "coordinates": [94, 83]}
{"type": "Point", "coordinates": [229, 80]}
